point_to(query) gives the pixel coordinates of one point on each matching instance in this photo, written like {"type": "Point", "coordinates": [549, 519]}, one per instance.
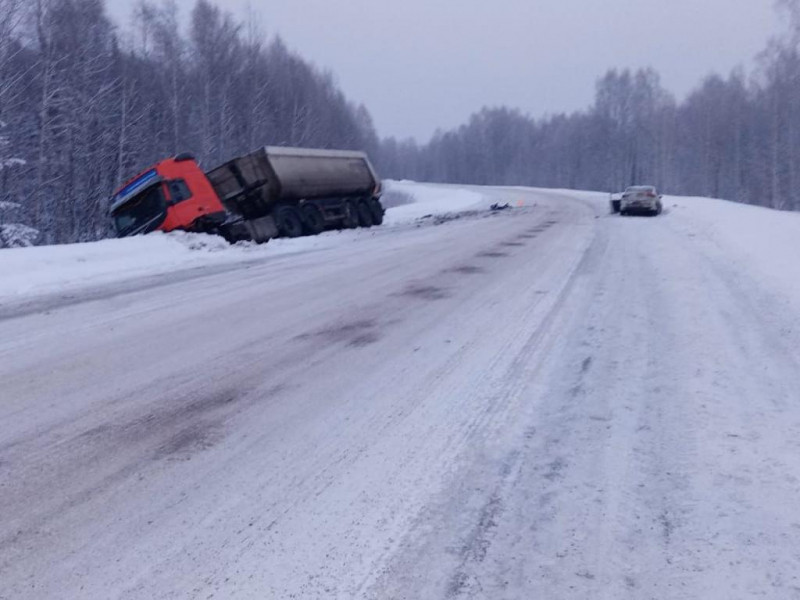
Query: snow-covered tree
{"type": "Point", "coordinates": [7, 160]}
{"type": "Point", "coordinates": [13, 233]}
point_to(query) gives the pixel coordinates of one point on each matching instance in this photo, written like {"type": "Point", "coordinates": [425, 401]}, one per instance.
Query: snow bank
{"type": "Point", "coordinates": [764, 242]}
{"type": "Point", "coordinates": [431, 200]}
{"type": "Point", "coordinates": [48, 269]}
{"type": "Point", "coordinates": [43, 270]}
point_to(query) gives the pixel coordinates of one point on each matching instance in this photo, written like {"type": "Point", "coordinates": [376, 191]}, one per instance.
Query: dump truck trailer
{"type": "Point", "coordinates": [271, 192]}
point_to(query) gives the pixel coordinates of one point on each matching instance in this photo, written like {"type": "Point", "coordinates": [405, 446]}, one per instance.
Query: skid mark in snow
{"type": "Point", "coordinates": [358, 334]}
{"type": "Point", "coordinates": [192, 439]}
{"type": "Point", "coordinates": [466, 270]}
{"type": "Point", "coordinates": [115, 454]}
{"type": "Point", "coordinates": [492, 254]}
{"type": "Point", "coordinates": [425, 292]}
{"type": "Point", "coordinates": [475, 547]}
{"type": "Point", "coordinates": [450, 550]}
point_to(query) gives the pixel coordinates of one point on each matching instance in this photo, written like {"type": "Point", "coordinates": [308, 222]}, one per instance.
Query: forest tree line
{"type": "Point", "coordinates": [83, 107]}
{"type": "Point", "coordinates": [735, 137]}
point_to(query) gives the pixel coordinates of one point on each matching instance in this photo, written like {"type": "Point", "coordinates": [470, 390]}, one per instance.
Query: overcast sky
{"type": "Point", "coordinates": [419, 65]}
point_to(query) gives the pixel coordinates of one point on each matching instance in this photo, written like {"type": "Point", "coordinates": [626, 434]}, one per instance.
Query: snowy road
{"type": "Point", "coordinates": [543, 403]}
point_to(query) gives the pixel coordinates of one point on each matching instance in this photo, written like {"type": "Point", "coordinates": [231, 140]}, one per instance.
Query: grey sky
{"type": "Point", "coordinates": [423, 64]}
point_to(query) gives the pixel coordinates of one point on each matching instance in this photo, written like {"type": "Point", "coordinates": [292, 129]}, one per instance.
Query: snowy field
{"type": "Point", "coordinates": [544, 402]}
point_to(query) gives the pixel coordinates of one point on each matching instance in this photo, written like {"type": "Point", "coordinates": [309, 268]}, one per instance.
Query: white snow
{"type": "Point", "coordinates": [763, 240]}
{"type": "Point", "coordinates": [17, 235]}
{"type": "Point", "coordinates": [432, 200]}
{"type": "Point", "coordinates": [548, 403]}
{"type": "Point", "coordinates": [26, 272]}
{"type": "Point", "coordinates": [43, 269]}
{"type": "Point", "coordinates": [12, 162]}
{"type": "Point", "coordinates": [5, 205]}
{"type": "Point", "coordinates": [764, 243]}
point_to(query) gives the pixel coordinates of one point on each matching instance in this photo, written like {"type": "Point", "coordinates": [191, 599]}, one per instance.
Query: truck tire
{"type": "Point", "coordinates": [289, 222]}
{"type": "Point", "coordinates": [234, 233]}
{"type": "Point", "coordinates": [364, 214]}
{"type": "Point", "coordinates": [377, 211]}
{"type": "Point", "coordinates": [313, 221]}
{"type": "Point", "coordinates": [350, 220]}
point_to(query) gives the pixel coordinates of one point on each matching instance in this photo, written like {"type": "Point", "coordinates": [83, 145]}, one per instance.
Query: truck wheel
{"type": "Point", "coordinates": [350, 220]}
{"type": "Point", "coordinates": [313, 220]}
{"type": "Point", "coordinates": [288, 221]}
{"type": "Point", "coordinates": [364, 214]}
{"type": "Point", "coordinates": [234, 233]}
{"type": "Point", "coordinates": [377, 211]}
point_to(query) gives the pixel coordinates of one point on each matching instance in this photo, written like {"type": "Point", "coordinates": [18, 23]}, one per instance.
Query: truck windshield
{"type": "Point", "coordinates": [141, 214]}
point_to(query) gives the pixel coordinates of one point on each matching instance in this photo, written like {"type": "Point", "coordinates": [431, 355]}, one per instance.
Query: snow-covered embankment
{"type": "Point", "coordinates": [45, 270]}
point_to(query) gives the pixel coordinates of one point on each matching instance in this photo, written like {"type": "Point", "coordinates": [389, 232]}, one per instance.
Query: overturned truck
{"type": "Point", "coordinates": [271, 192]}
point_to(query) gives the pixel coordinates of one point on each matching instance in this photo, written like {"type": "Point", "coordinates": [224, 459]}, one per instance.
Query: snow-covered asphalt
{"type": "Point", "coordinates": [548, 402]}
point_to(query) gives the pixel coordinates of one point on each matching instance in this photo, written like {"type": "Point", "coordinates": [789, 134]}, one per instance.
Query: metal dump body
{"type": "Point", "coordinates": [251, 185]}
{"type": "Point", "coordinates": [307, 174]}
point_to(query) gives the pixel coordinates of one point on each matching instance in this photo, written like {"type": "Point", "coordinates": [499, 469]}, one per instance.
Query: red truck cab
{"type": "Point", "coordinates": [173, 194]}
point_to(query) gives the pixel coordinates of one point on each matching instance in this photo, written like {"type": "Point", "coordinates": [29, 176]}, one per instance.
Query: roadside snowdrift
{"type": "Point", "coordinates": [431, 200]}
{"type": "Point", "coordinates": [39, 271]}
{"type": "Point", "coordinates": [48, 269]}
{"type": "Point", "coordinates": [764, 242]}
